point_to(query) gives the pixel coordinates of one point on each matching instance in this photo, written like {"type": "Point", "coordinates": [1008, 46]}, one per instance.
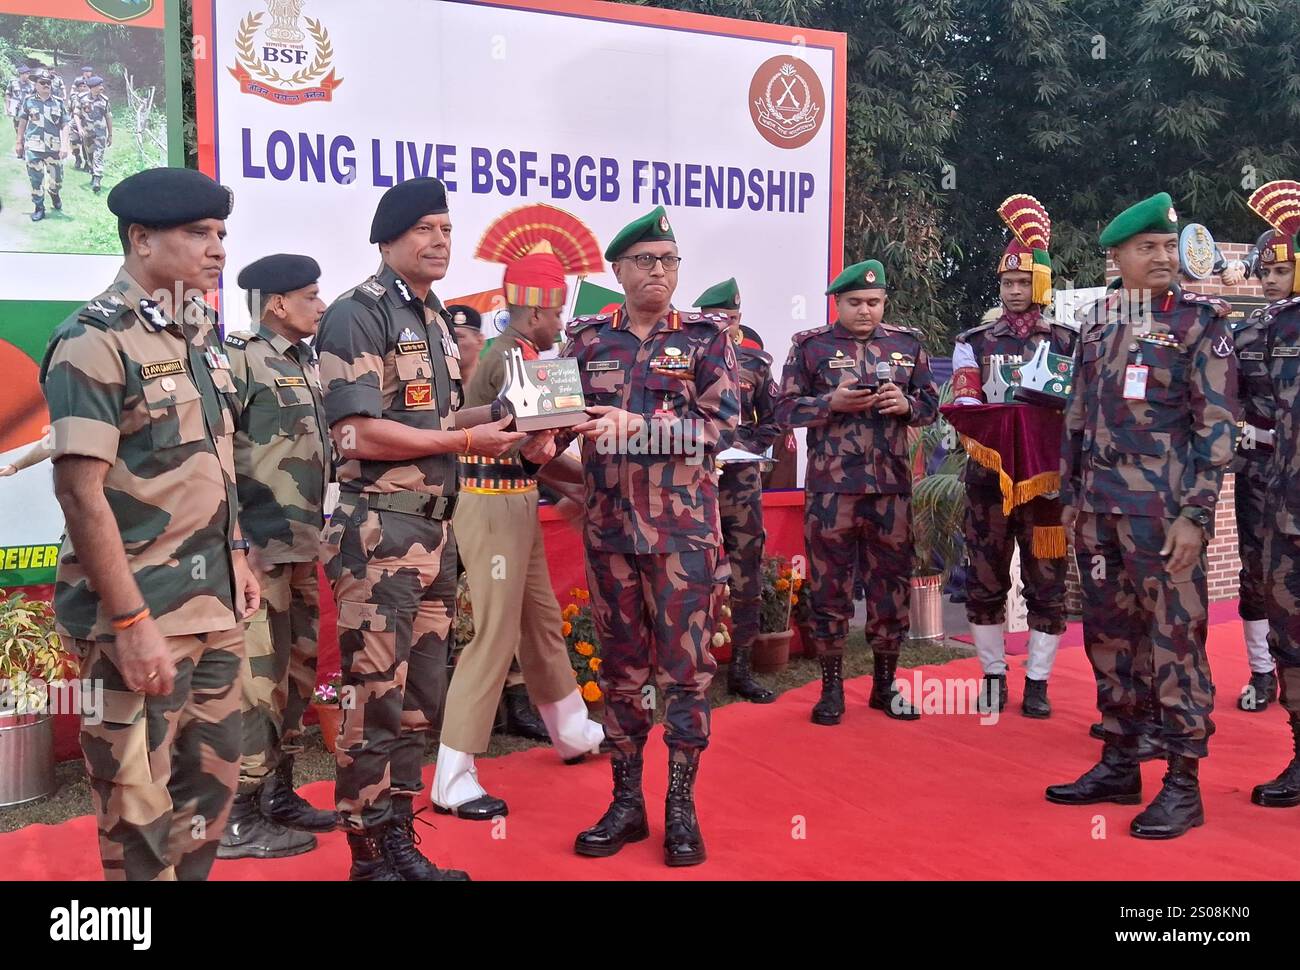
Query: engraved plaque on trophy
{"type": "Point", "coordinates": [543, 394]}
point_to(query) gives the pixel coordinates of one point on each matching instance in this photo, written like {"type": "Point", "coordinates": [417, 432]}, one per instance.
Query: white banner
{"type": "Point", "coordinates": [600, 109]}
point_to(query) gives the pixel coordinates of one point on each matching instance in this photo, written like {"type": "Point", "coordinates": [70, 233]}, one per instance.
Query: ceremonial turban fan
{"type": "Point", "coordinates": [539, 244]}
{"type": "Point", "coordinates": [1278, 204]}
{"type": "Point", "coordinates": [1031, 232]}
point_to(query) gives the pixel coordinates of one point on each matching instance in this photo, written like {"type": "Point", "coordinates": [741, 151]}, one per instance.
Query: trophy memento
{"type": "Point", "coordinates": [1004, 375]}
{"type": "Point", "coordinates": [1198, 255]}
{"type": "Point", "coordinates": [543, 394]}
{"type": "Point", "coordinates": [1046, 379]}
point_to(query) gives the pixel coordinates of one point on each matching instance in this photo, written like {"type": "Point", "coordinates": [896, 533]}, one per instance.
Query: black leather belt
{"type": "Point", "coordinates": [426, 506]}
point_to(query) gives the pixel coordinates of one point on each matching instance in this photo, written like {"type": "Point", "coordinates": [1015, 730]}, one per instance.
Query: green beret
{"type": "Point", "coordinates": [1155, 214]}
{"type": "Point", "coordinates": [868, 275]}
{"type": "Point", "coordinates": [651, 227]}
{"type": "Point", "coordinates": [723, 296]}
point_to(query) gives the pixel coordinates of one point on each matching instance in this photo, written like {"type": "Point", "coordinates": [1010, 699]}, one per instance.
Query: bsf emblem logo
{"type": "Point", "coordinates": [281, 61]}
{"type": "Point", "coordinates": [786, 102]}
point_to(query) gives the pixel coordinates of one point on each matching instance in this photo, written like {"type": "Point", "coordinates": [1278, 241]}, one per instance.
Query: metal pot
{"type": "Point", "coordinates": [26, 758]}
{"type": "Point", "coordinates": [927, 608]}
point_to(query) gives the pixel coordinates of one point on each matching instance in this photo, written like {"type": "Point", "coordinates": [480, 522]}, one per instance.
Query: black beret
{"type": "Point", "coordinates": [164, 197]}
{"type": "Point", "coordinates": [405, 204]}
{"type": "Point", "coordinates": [280, 273]}
{"type": "Point", "coordinates": [465, 316]}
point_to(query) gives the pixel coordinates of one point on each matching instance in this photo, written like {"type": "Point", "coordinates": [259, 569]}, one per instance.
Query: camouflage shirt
{"type": "Point", "coordinates": [1281, 326]}
{"type": "Point", "coordinates": [384, 353]}
{"type": "Point", "coordinates": [47, 123]}
{"type": "Point", "coordinates": [757, 428]}
{"type": "Point", "coordinates": [93, 110]}
{"type": "Point", "coordinates": [282, 448]}
{"type": "Point", "coordinates": [151, 397]}
{"type": "Point", "coordinates": [1169, 449]}
{"type": "Point", "coordinates": [863, 452]}
{"type": "Point", "coordinates": [16, 93]}
{"type": "Point", "coordinates": [1255, 389]}
{"type": "Point", "coordinates": [659, 494]}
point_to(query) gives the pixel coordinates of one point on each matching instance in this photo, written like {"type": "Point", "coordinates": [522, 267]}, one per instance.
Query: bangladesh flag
{"type": "Point", "coordinates": [592, 299]}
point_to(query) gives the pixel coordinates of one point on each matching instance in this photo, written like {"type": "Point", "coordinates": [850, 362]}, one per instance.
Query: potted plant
{"type": "Point", "coordinates": [31, 656]}
{"type": "Point", "coordinates": [938, 519]}
{"type": "Point", "coordinates": [584, 649]}
{"type": "Point", "coordinates": [772, 645]}
{"type": "Point", "coordinates": [327, 702]}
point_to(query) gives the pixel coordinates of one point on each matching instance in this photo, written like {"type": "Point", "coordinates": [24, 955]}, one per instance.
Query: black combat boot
{"type": "Point", "coordinates": [97, 184]}
{"type": "Point", "coordinates": [1259, 692]}
{"type": "Point", "coordinates": [624, 821]}
{"type": "Point", "coordinates": [884, 695]}
{"type": "Point", "coordinates": [1148, 747]}
{"type": "Point", "coordinates": [1284, 790]}
{"type": "Point", "coordinates": [683, 844]}
{"type": "Point", "coordinates": [39, 212]}
{"type": "Point", "coordinates": [1116, 778]}
{"type": "Point", "coordinates": [283, 805]}
{"type": "Point", "coordinates": [1176, 807]}
{"type": "Point", "coordinates": [251, 835]}
{"type": "Point", "coordinates": [740, 679]}
{"type": "Point", "coordinates": [993, 690]}
{"type": "Point", "coordinates": [830, 708]}
{"type": "Point", "coordinates": [56, 201]}
{"type": "Point", "coordinates": [400, 841]}
{"type": "Point", "coordinates": [369, 861]}
{"type": "Point", "coordinates": [522, 719]}
{"type": "Point", "coordinates": [1035, 703]}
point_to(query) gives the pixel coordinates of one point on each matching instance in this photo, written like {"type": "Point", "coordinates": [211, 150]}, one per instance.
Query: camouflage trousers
{"type": "Point", "coordinates": [45, 173]}
{"type": "Point", "coordinates": [394, 581]}
{"type": "Point", "coordinates": [279, 672]}
{"type": "Point", "coordinates": [654, 617]}
{"type": "Point", "coordinates": [991, 537]}
{"type": "Point", "coordinates": [1140, 623]}
{"type": "Point", "coordinates": [873, 534]}
{"type": "Point", "coordinates": [163, 770]}
{"type": "Point", "coordinates": [94, 148]}
{"type": "Point", "coordinates": [1283, 600]}
{"type": "Point", "coordinates": [1249, 490]}
{"type": "Point", "coordinates": [740, 501]}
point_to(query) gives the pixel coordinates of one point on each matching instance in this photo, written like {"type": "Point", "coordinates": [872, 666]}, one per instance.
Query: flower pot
{"type": "Point", "coordinates": [927, 608]}
{"type": "Point", "coordinates": [26, 758]}
{"type": "Point", "coordinates": [771, 652]}
{"type": "Point", "coordinates": [331, 718]}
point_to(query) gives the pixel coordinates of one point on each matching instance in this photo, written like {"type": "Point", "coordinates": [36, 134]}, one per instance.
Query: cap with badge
{"type": "Point", "coordinates": [722, 296]}
{"type": "Point", "coordinates": [1155, 214]}
{"type": "Point", "coordinates": [651, 227]}
{"type": "Point", "coordinates": [166, 197]}
{"type": "Point", "coordinates": [405, 204]}
{"type": "Point", "coordinates": [279, 273]}
{"type": "Point", "coordinates": [1278, 204]}
{"type": "Point", "coordinates": [867, 275]}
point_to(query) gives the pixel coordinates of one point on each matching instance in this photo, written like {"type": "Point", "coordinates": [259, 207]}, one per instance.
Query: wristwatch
{"type": "Point", "coordinates": [239, 545]}
{"type": "Point", "coordinates": [1201, 516]}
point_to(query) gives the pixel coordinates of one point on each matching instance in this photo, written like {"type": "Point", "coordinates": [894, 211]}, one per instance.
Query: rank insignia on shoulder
{"type": "Point", "coordinates": [372, 287]}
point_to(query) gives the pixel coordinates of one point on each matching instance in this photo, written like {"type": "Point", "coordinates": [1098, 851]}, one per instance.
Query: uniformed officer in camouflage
{"type": "Point", "coordinates": [152, 581]}
{"type": "Point", "coordinates": [43, 127]}
{"type": "Point", "coordinates": [1148, 435]}
{"type": "Point", "coordinates": [858, 385]}
{"type": "Point", "coordinates": [660, 385]}
{"type": "Point", "coordinates": [389, 369]}
{"type": "Point", "coordinates": [96, 127]}
{"type": "Point", "coordinates": [283, 464]}
{"type": "Point", "coordinates": [19, 88]}
{"type": "Point", "coordinates": [79, 90]}
{"type": "Point", "coordinates": [1017, 328]}
{"type": "Point", "coordinates": [740, 492]}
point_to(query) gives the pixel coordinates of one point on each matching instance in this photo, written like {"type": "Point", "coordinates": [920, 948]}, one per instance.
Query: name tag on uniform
{"type": "Point", "coordinates": [603, 365]}
{"type": "Point", "coordinates": [1135, 382]}
{"type": "Point", "coordinates": [419, 394]}
{"type": "Point", "coordinates": [1251, 355]}
{"type": "Point", "coordinates": [839, 363]}
{"type": "Point", "coordinates": [412, 347]}
{"type": "Point", "coordinates": [161, 369]}
{"type": "Point", "coordinates": [1286, 351]}
{"type": "Point", "coordinates": [290, 382]}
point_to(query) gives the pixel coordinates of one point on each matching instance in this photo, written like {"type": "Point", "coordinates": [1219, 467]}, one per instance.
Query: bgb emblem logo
{"type": "Point", "coordinates": [786, 102]}
{"type": "Point", "coordinates": [279, 61]}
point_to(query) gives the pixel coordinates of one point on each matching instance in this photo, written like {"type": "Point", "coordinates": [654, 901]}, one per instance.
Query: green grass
{"type": "Point", "coordinates": [72, 797]}
{"type": "Point", "coordinates": [84, 225]}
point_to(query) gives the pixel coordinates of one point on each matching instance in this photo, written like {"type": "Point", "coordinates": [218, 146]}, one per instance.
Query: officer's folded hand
{"type": "Point", "coordinates": [539, 447]}
{"type": "Point", "coordinates": [492, 440]}
{"type": "Point", "coordinates": [613, 422]}
{"type": "Point", "coordinates": [1183, 545]}
{"type": "Point", "coordinates": [141, 654]}
{"type": "Point", "coordinates": [845, 399]}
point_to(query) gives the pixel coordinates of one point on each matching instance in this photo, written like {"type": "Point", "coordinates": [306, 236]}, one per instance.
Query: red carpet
{"type": "Point", "coordinates": [942, 798]}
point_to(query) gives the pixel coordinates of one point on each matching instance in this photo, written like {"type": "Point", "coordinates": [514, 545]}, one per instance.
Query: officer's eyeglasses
{"type": "Point", "coordinates": [646, 261]}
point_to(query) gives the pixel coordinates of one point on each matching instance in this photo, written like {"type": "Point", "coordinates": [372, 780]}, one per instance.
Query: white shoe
{"type": "Point", "coordinates": [572, 732]}
{"type": "Point", "coordinates": [455, 780]}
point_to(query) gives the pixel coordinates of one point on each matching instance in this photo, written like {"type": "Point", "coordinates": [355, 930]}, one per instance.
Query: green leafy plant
{"type": "Point", "coordinates": [579, 631]}
{"type": "Point", "coordinates": [31, 654]}
{"type": "Point", "coordinates": [938, 497]}
{"type": "Point", "coordinates": [778, 595]}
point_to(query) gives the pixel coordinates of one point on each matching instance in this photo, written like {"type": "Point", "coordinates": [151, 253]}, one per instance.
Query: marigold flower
{"type": "Point", "coordinates": [594, 663]}
{"type": "Point", "coordinates": [591, 692]}
{"type": "Point", "coordinates": [783, 584]}
{"type": "Point", "coordinates": [584, 648]}
{"type": "Point", "coordinates": [567, 628]}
